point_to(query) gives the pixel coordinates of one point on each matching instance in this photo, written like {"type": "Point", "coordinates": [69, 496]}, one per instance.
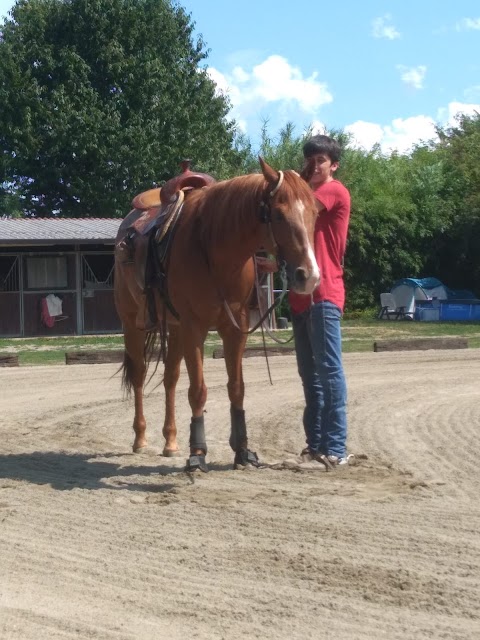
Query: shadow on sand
{"type": "Point", "coordinates": [66, 471]}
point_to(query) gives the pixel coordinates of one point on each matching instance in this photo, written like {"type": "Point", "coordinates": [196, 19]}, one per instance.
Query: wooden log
{"type": "Point", "coordinates": [420, 344]}
{"type": "Point", "coordinates": [251, 352]}
{"type": "Point", "coordinates": [94, 357]}
{"type": "Point", "coordinates": [8, 360]}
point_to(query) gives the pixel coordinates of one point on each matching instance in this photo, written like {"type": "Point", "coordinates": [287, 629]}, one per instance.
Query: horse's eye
{"type": "Point", "coordinates": [279, 216]}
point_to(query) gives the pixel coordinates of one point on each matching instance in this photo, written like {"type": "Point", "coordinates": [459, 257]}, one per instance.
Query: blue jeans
{"type": "Point", "coordinates": [318, 344]}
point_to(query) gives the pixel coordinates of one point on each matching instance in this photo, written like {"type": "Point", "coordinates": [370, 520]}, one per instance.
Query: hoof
{"type": "Point", "coordinates": [139, 449]}
{"type": "Point", "coordinates": [246, 459]}
{"type": "Point", "coordinates": [195, 463]}
{"type": "Point", "coordinates": [171, 453]}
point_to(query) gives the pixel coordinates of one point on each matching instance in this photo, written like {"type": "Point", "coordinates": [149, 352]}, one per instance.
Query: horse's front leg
{"type": "Point", "coordinates": [193, 339]}
{"type": "Point", "coordinates": [170, 379]}
{"type": "Point", "coordinates": [234, 345]}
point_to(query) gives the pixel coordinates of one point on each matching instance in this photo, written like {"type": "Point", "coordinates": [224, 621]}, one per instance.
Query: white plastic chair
{"type": "Point", "coordinates": [389, 309]}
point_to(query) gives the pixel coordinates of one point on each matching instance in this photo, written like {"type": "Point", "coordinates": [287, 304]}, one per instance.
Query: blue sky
{"type": "Point", "coordinates": [386, 71]}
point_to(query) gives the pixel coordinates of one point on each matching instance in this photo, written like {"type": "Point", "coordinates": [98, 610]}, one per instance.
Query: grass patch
{"type": "Point", "coordinates": [358, 335]}
{"type": "Point", "coordinates": [29, 358]}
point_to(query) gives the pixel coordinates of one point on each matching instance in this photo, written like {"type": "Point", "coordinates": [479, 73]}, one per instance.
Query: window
{"type": "Point", "coordinates": [9, 278]}
{"type": "Point", "coordinates": [98, 271]}
{"type": "Point", "coordinates": [47, 272]}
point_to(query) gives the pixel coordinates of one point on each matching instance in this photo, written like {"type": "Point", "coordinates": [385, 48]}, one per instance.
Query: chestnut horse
{"type": "Point", "coordinates": [210, 277]}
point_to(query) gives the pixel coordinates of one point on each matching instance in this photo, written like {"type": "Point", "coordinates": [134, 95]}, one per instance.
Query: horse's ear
{"type": "Point", "coordinates": [308, 170]}
{"type": "Point", "coordinates": [271, 176]}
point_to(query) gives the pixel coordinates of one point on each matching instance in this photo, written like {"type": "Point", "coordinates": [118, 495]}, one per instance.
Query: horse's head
{"type": "Point", "coordinates": [289, 211]}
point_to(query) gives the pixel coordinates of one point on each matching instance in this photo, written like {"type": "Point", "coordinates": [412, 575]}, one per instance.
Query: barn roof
{"type": "Point", "coordinates": [39, 231]}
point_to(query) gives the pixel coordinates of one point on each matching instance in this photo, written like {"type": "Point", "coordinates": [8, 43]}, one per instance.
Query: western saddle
{"type": "Point", "coordinates": [146, 238]}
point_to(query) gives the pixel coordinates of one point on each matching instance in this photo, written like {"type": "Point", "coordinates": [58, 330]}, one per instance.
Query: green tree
{"type": "Point", "coordinates": [398, 218]}
{"type": "Point", "coordinates": [458, 254]}
{"type": "Point", "coordinates": [100, 99]}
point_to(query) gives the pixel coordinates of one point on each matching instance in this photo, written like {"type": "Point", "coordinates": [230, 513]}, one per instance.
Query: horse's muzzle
{"type": "Point", "coordinates": [304, 280]}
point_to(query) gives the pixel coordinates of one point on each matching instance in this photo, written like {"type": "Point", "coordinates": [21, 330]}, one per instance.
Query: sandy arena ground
{"type": "Point", "coordinates": [96, 542]}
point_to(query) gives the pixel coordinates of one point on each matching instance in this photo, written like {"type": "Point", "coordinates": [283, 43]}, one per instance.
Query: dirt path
{"type": "Point", "coordinates": [96, 542]}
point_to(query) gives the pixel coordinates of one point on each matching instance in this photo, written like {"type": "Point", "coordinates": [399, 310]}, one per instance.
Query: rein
{"type": "Point", "coordinates": [276, 303]}
{"type": "Point", "coordinates": [265, 218]}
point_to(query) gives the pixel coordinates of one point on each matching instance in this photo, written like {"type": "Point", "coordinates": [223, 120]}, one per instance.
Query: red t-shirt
{"type": "Point", "coordinates": [330, 239]}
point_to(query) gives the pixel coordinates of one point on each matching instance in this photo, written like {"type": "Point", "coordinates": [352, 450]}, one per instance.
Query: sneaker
{"type": "Point", "coordinates": [336, 461]}
{"type": "Point", "coordinates": [307, 455]}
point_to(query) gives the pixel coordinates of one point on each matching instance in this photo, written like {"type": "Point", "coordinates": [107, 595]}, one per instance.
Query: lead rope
{"type": "Point", "coordinates": [267, 312]}
{"type": "Point", "coordinates": [260, 323]}
{"type": "Point", "coordinates": [277, 303]}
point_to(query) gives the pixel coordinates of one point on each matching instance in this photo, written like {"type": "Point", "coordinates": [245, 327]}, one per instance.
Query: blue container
{"type": "Point", "coordinates": [455, 311]}
{"type": "Point", "coordinates": [475, 315]}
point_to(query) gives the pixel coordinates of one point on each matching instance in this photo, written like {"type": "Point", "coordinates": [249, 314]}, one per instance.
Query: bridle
{"type": "Point", "coordinates": [265, 218]}
{"type": "Point", "coordinates": [265, 214]}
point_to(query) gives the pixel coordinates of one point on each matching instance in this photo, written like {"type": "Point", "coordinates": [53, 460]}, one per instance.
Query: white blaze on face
{"type": "Point", "coordinates": [311, 265]}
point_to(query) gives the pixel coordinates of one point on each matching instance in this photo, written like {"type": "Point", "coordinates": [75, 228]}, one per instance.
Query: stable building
{"type": "Point", "coordinates": [56, 276]}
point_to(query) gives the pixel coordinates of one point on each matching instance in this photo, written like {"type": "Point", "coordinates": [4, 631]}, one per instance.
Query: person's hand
{"type": "Point", "coordinates": [308, 170]}
{"type": "Point", "coordinates": [266, 265]}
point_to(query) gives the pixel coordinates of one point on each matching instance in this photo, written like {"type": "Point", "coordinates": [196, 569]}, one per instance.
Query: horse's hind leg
{"type": "Point", "coordinates": [234, 346]}
{"type": "Point", "coordinates": [134, 370]}
{"type": "Point", "coordinates": [170, 379]}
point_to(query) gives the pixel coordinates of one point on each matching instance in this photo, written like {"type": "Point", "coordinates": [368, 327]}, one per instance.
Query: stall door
{"type": "Point", "coordinates": [10, 296]}
{"type": "Point", "coordinates": [99, 313]}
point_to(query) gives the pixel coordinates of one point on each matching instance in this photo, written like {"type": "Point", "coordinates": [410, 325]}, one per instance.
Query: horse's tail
{"type": "Point", "coordinates": [153, 351]}
{"type": "Point", "coordinates": [127, 374]}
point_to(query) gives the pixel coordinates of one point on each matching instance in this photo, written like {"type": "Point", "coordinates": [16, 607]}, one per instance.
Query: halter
{"type": "Point", "coordinates": [278, 185]}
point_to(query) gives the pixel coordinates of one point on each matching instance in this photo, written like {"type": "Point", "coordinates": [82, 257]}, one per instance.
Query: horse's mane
{"type": "Point", "coordinates": [227, 206]}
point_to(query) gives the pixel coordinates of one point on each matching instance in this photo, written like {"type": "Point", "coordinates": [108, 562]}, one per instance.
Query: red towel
{"type": "Point", "coordinates": [47, 319]}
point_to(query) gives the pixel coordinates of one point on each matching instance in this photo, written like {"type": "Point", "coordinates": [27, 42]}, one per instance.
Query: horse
{"type": "Point", "coordinates": [209, 277]}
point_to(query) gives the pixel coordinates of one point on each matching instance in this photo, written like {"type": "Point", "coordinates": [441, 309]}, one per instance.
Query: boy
{"type": "Point", "coordinates": [316, 318]}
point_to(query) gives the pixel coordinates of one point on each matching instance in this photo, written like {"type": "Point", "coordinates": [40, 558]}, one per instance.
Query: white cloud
{"type": "Point", "coordinates": [239, 75]}
{"type": "Point", "coordinates": [446, 115]}
{"type": "Point", "coordinates": [273, 83]}
{"type": "Point", "coordinates": [413, 76]}
{"type": "Point", "coordinates": [318, 128]}
{"type": "Point", "coordinates": [382, 29]}
{"type": "Point", "coordinates": [219, 79]}
{"type": "Point", "coordinates": [279, 90]}
{"type": "Point", "coordinates": [365, 134]}
{"type": "Point", "coordinates": [400, 135]}
{"type": "Point", "coordinates": [468, 24]}
{"type": "Point", "coordinates": [403, 133]}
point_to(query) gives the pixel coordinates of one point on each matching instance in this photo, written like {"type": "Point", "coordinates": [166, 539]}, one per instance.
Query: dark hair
{"type": "Point", "coordinates": [322, 144]}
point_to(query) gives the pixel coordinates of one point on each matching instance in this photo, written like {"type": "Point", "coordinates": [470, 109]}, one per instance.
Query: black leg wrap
{"type": "Point", "coordinates": [196, 462]}
{"type": "Point", "coordinates": [238, 433]}
{"type": "Point", "coordinates": [246, 458]}
{"type": "Point", "coordinates": [197, 434]}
